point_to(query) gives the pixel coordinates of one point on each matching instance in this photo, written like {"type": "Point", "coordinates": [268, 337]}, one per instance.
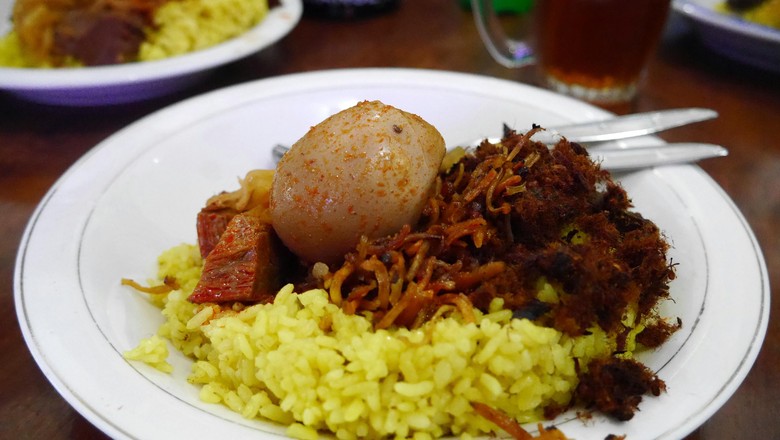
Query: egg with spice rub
{"type": "Point", "coordinates": [367, 170]}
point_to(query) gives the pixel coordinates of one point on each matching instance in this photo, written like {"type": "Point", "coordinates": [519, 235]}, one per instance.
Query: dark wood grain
{"type": "Point", "coordinates": [39, 142]}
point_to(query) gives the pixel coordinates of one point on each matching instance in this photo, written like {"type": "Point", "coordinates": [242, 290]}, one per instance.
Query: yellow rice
{"type": "Point", "coordinates": [190, 25]}
{"type": "Point", "coordinates": [303, 363]}
{"type": "Point", "coordinates": [181, 26]}
{"type": "Point", "coordinates": [766, 13]}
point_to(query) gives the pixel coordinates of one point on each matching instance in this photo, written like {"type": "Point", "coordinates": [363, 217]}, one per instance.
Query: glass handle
{"type": "Point", "coordinates": [506, 51]}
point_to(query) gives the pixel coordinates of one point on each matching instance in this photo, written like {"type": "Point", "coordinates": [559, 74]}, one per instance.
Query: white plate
{"type": "Point", "coordinates": [138, 81]}
{"type": "Point", "coordinates": [138, 192]}
{"type": "Point", "coordinates": [731, 36]}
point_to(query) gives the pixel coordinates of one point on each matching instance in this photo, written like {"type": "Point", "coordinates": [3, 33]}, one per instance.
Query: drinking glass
{"type": "Point", "coordinates": [595, 50]}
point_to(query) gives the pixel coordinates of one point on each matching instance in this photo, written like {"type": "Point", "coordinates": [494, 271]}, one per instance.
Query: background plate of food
{"type": "Point", "coordinates": [750, 34]}
{"type": "Point", "coordinates": [138, 193]}
{"type": "Point", "coordinates": [108, 52]}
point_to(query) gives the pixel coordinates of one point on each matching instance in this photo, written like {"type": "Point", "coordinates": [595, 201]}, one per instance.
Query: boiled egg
{"type": "Point", "coordinates": [365, 171]}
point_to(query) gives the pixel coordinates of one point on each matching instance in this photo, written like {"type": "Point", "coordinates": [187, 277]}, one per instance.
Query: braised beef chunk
{"type": "Point", "coordinates": [246, 265]}
{"type": "Point", "coordinates": [120, 36]}
{"type": "Point", "coordinates": [211, 224]}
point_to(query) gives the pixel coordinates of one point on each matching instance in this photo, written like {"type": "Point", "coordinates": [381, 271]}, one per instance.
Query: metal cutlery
{"type": "Point", "coordinates": [617, 159]}
{"type": "Point", "coordinates": [622, 127]}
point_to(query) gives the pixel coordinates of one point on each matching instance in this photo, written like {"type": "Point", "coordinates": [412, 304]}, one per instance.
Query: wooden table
{"type": "Point", "coordinates": [38, 143]}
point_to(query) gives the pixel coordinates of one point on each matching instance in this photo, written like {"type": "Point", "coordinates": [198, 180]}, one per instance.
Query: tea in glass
{"type": "Point", "coordinates": [596, 49]}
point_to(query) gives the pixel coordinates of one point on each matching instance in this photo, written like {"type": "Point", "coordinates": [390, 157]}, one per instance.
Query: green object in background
{"type": "Point", "coordinates": [505, 6]}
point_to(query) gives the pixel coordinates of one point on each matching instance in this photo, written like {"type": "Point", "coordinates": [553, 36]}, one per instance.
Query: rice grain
{"type": "Point", "coordinates": [279, 362]}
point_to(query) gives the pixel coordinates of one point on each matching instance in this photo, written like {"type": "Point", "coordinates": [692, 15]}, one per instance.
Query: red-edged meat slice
{"type": "Point", "coordinates": [211, 224]}
{"type": "Point", "coordinates": [245, 265]}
